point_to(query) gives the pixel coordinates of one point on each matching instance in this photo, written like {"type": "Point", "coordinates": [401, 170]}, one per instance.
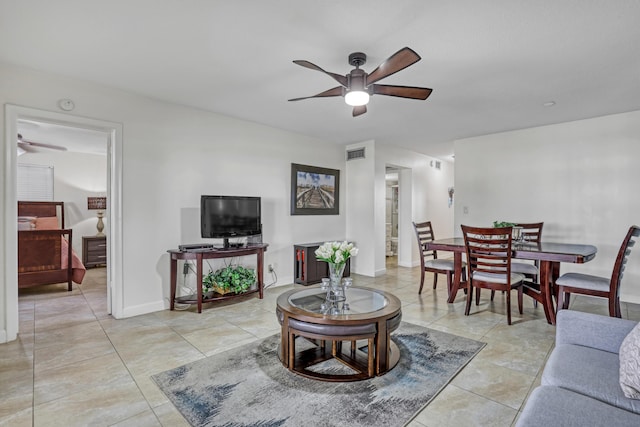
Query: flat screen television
{"type": "Point", "coordinates": [224, 217]}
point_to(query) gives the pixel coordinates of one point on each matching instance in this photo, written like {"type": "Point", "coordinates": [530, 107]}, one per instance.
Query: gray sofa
{"type": "Point", "coordinates": [580, 382]}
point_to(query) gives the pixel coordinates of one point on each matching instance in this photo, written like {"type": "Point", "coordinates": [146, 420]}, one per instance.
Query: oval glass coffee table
{"type": "Point", "coordinates": [358, 334]}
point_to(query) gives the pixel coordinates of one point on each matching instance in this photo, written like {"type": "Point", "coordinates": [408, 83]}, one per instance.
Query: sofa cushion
{"type": "Point", "coordinates": [592, 330]}
{"type": "Point", "coordinates": [588, 371]}
{"type": "Point", "coordinates": [554, 406]}
{"type": "Point", "coordinates": [630, 364]}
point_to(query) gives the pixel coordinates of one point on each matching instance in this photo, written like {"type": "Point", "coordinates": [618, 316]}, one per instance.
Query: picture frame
{"type": "Point", "coordinates": [314, 190]}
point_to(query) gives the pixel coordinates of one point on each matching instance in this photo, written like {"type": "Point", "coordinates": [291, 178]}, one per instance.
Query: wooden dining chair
{"type": "Point", "coordinates": [586, 284]}
{"type": "Point", "coordinates": [489, 263]}
{"type": "Point", "coordinates": [531, 233]}
{"type": "Point", "coordinates": [429, 258]}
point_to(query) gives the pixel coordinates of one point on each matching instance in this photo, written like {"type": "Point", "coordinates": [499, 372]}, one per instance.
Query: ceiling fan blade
{"type": "Point", "coordinates": [402, 91]}
{"type": "Point", "coordinates": [337, 77]}
{"type": "Point", "coordinates": [51, 146]}
{"type": "Point", "coordinates": [24, 142]}
{"type": "Point", "coordinates": [359, 110]}
{"type": "Point", "coordinates": [336, 91]}
{"type": "Point", "coordinates": [396, 62]}
{"type": "Point", "coordinates": [26, 147]}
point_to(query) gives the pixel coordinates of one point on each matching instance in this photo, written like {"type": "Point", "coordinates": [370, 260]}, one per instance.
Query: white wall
{"type": "Point", "coordinates": [580, 178]}
{"type": "Point", "coordinates": [422, 196]}
{"type": "Point", "coordinates": [360, 219]}
{"type": "Point", "coordinates": [172, 155]}
{"type": "Point", "coordinates": [76, 177]}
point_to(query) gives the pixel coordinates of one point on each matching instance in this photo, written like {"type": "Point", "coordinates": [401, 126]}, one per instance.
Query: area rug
{"type": "Point", "coordinates": [248, 386]}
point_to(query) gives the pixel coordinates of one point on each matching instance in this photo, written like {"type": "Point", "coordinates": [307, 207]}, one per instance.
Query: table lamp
{"type": "Point", "coordinates": [99, 204]}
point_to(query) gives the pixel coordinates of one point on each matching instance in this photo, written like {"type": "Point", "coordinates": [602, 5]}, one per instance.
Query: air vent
{"type": "Point", "coordinates": [355, 154]}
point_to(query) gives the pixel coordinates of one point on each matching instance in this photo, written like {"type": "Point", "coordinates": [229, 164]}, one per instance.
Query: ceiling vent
{"type": "Point", "coordinates": [355, 154]}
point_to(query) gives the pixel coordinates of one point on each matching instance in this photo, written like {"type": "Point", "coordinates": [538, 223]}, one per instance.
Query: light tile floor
{"type": "Point", "coordinates": [74, 365]}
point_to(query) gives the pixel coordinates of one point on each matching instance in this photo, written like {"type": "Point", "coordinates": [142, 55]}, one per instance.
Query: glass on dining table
{"type": "Point", "coordinates": [516, 234]}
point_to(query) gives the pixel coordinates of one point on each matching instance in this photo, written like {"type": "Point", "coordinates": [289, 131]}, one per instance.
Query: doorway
{"type": "Point", "coordinates": [391, 214]}
{"type": "Point", "coordinates": [15, 116]}
{"type": "Point", "coordinates": [399, 210]}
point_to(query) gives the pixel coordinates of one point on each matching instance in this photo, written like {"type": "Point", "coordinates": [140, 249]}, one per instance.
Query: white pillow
{"type": "Point", "coordinates": [630, 364]}
{"type": "Point", "coordinates": [26, 223]}
{"type": "Point", "coordinates": [25, 226]}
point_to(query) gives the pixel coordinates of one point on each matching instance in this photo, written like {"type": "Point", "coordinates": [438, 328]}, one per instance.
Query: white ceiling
{"type": "Point", "coordinates": [492, 64]}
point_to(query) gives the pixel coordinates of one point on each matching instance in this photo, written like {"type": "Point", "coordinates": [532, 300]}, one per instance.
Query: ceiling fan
{"type": "Point", "coordinates": [29, 146]}
{"type": "Point", "coordinates": [357, 86]}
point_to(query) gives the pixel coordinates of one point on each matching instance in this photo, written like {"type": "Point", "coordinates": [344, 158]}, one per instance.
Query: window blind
{"type": "Point", "coordinates": [35, 182]}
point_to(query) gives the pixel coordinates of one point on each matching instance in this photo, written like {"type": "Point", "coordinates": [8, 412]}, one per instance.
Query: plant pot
{"type": "Point", "coordinates": [222, 291]}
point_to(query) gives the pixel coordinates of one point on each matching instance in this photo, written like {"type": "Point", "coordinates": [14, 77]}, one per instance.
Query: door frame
{"type": "Point", "coordinates": [115, 282]}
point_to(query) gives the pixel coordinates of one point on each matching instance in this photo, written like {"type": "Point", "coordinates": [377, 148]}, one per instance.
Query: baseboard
{"type": "Point", "coordinates": [3, 336]}
{"type": "Point", "coordinates": [380, 272]}
{"type": "Point", "coordinates": [408, 264]}
{"type": "Point", "coordinates": [633, 299]}
{"type": "Point", "coordinates": [151, 307]}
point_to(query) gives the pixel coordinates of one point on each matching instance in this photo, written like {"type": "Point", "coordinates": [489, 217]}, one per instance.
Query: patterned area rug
{"type": "Point", "coordinates": [248, 386]}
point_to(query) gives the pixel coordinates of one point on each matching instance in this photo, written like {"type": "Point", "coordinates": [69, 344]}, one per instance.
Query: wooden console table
{"type": "Point", "coordinates": [200, 254]}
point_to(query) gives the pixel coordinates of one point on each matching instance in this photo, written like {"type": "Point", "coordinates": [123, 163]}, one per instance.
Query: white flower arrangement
{"type": "Point", "coordinates": [336, 252]}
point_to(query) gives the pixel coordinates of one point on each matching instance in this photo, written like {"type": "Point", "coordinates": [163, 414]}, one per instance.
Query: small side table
{"type": "Point", "coordinates": [94, 251]}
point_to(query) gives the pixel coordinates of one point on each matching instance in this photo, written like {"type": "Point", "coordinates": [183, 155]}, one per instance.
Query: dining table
{"type": "Point", "coordinates": [549, 256]}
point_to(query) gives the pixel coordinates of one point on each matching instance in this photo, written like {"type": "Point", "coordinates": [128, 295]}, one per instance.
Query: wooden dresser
{"type": "Point", "coordinates": [94, 251]}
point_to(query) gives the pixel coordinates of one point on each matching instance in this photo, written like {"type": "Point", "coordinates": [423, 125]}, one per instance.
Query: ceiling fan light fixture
{"type": "Point", "coordinates": [356, 98]}
{"type": "Point", "coordinates": [358, 86]}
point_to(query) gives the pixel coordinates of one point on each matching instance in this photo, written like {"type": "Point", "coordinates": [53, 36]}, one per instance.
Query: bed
{"type": "Point", "coordinates": [45, 251]}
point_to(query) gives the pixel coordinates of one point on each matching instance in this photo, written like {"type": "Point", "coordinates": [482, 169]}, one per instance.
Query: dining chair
{"type": "Point", "coordinates": [586, 284]}
{"type": "Point", "coordinates": [531, 232]}
{"type": "Point", "coordinates": [429, 258]}
{"type": "Point", "coordinates": [489, 264]}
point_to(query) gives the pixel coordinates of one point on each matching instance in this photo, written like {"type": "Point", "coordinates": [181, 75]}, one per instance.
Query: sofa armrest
{"type": "Point", "coordinates": [592, 330]}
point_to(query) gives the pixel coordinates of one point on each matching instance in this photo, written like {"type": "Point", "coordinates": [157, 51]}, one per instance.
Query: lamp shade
{"type": "Point", "coordinates": [96, 203]}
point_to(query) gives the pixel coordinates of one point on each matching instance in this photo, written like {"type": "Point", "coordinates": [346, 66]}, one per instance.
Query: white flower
{"type": "Point", "coordinates": [336, 252]}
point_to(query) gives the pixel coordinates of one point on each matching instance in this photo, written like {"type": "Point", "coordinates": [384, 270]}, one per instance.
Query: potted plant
{"type": "Point", "coordinates": [516, 232]}
{"type": "Point", "coordinates": [232, 278]}
{"type": "Point", "coordinates": [498, 224]}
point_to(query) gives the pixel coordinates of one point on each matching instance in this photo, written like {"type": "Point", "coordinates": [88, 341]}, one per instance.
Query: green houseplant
{"type": "Point", "coordinates": [232, 278]}
{"type": "Point", "coordinates": [498, 224]}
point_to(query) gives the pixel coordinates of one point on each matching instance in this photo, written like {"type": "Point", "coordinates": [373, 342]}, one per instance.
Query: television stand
{"type": "Point", "coordinates": [200, 255]}
{"type": "Point", "coordinates": [231, 245]}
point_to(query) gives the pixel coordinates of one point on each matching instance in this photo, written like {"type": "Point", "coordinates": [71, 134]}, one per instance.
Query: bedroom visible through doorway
{"type": "Point", "coordinates": [75, 162]}
{"type": "Point", "coordinates": [75, 185]}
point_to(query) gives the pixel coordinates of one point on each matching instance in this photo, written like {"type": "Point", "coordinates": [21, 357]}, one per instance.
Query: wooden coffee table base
{"type": "Point", "coordinates": [359, 340]}
{"type": "Point", "coordinates": [350, 353]}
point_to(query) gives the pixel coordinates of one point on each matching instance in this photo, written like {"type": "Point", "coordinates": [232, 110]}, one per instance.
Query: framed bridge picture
{"type": "Point", "coordinates": [314, 190]}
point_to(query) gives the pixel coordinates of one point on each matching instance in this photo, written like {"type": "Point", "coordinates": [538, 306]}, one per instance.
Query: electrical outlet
{"type": "Point", "coordinates": [270, 268]}
{"type": "Point", "coordinates": [185, 268]}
